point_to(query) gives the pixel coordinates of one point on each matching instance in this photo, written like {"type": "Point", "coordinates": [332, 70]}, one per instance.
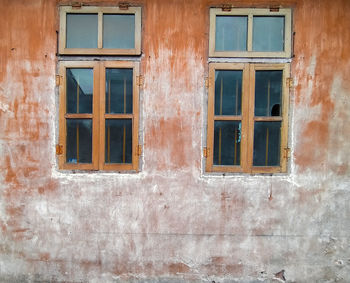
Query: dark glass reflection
{"type": "Point", "coordinates": [267, 138]}
{"type": "Point", "coordinates": [81, 31]}
{"type": "Point", "coordinates": [231, 33]}
{"type": "Point", "coordinates": [79, 141]}
{"type": "Point", "coordinates": [227, 142]}
{"type": "Point", "coordinates": [268, 93]}
{"type": "Point", "coordinates": [119, 91]}
{"type": "Point", "coordinates": [268, 33]}
{"type": "Point", "coordinates": [119, 31]}
{"type": "Point", "coordinates": [228, 92]}
{"type": "Point", "coordinates": [79, 83]}
{"type": "Point", "coordinates": [118, 147]}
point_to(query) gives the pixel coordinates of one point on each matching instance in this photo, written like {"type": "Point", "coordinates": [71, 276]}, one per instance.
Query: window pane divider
{"type": "Point", "coordinates": [78, 116]}
{"type": "Point", "coordinates": [227, 118]}
{"type": "Point", "coordinates": [268, 119]}
{"type": "Point", "coordinates": [118, 116]}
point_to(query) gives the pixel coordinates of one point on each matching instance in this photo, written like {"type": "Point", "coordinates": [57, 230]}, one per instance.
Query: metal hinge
{"type": "Point", "coordinates": [290, 82]}
{"type": "Point", "coordinates": [139, 81]}
{"type": "Point", "coordinates": [226, 7]}
{"type": "Point", "coordinates": [76, 5]}
{"type": "Point", "coordinates": [123, 5]}
{"type": "Point", "coordinates": [139, 150]}
{"type": "Point", "coordinates": [286, 152]}
{"type": "Point", "coordinates": [206, 82]}
{"type": "Point", "coordinates": [206, 151]}
{"type": "Point", "coordinates": [59, 149]}
{"type": "Point", "coordinates": [274, 9]}
{"type": "Point", "coordinates": [58, 80]}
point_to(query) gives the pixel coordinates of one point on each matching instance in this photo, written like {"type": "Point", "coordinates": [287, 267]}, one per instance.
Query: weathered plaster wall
{"type": "Point", "coordinates": [171, 222]}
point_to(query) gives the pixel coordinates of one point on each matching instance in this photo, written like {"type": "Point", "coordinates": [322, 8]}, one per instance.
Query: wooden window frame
{"type": "Point", "coordinates": [99, 50]}
{"type": "Point", "coordinates": [247, 118]}
{"type": "Point", "coordinates": [250, 12]}
{"type": "Point", "coordinates": [98, 116]}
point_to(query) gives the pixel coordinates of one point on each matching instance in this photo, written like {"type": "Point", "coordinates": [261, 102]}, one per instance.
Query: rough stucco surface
{"type": "Point", "coordinates": [171, 222]}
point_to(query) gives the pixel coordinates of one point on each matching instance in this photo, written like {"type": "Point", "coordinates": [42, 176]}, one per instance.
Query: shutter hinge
{"type": "Point", "coordinates": [206, 151]}
{"type": "Point", "coordinates": [76, 5]}
{"type": "Point", "coordinates": [139, 81]}
{"type": "Point", "coordinates": [286, 152]}
{"type": "Point", "coordinates": [226, 7]}
{"type": "Point", "coordinates": [59, 149]}
{"type": "Point", "coordinates": [123, 5]}
{"type": "Point", "coordinates": [139, 150]}
{"type": "Point", "coordinates": [290, 82]}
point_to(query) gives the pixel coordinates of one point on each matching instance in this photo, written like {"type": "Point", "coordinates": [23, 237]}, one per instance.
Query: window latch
{"type": "Point", "coordinates": [59, 149]}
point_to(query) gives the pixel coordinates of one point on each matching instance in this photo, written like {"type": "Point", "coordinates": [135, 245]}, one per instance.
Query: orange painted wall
{"type": "Point", "coordinates": [171, 221]}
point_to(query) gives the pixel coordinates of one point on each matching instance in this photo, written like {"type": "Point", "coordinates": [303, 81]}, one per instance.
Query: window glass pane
{"type": "Point", "coordinates": [268, 93]}
{"type": "Point", "coordinates": [118, 147]}
{"type": "Point", "coordinates": [227, 142]}
{"type": "Point", "coordinates": [267, 136]}
{"type": "Point", "coordinates": [79, 141]}
{"type": "Point", "coordinates": [268, 33]}
{"type": "Point", "coordinates": [79, 83]}
{"type": "Point", "coordinates": [231, 33]}
{"type": "Point", "coordinates": [119, 31]}
{"type": "Point", "coordinates": [119, 90]}
{"type": "Point", "coordinates": [81, 31]}
{"type": "Point", "coordinates": [228, 92]}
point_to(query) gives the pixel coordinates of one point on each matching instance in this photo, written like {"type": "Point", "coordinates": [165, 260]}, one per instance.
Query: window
{"type": "Point", "coordinates": [100, 30]}
{"type": "Point", "coordinates": [248, 101]}
{"type": "Point", "coordinates": [250, 33]}
{"type": "Point", "coordinates": [99, 115]}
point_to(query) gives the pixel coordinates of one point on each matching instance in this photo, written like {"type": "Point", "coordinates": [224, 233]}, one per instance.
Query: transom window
{"type": "Point", "coordinates": [250, 33]}
{"type": "Point", "coordinates": [100, 30]}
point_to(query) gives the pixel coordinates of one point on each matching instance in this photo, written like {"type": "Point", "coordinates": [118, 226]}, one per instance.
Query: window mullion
{"type": "Point", "coordinates": [250, 123]}
{"type": "Point", "coordinates": [100, 30]}
{"type": "Point", "coordinates": [95, 111]}
{"type": "Point", "coordinates": [250, 33]}
{"type": "Point", "coordinates": [102, 106]}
